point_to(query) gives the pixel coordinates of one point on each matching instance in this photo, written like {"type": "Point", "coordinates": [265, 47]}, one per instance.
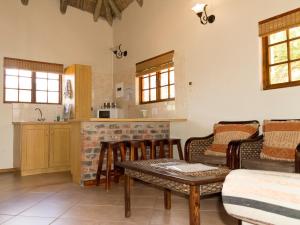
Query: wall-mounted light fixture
{"type": "Point", "coordinates": [200, 9]}
{"type": "Point", "coordinates": [119, 53]}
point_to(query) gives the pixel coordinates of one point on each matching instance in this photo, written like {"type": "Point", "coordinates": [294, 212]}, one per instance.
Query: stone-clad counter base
{"type": "Point", "coordinates": [85, 152]}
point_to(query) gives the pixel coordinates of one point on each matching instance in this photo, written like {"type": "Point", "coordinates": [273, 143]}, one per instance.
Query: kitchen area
{"type": "Point", "coordinates": [67, 137]}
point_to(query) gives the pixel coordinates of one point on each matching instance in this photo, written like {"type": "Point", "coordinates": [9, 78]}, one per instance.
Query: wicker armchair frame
{"type": "Point", "coordinates": [195, 146]}
{"type": "Point", "coordinates": [251, 149]}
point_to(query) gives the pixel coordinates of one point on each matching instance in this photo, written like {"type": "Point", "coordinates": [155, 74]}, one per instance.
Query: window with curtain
{"type": "Point", "coordinates": [28, 81]}
{"type": "Point", "coordinates": [281, 50]}
{"type": "Point", "coordinates": [156, 79]}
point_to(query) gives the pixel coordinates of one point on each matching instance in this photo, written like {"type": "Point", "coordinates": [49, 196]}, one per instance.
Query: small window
{"type": "Point", "coordinates": [18, 85]}
{"type": "Point", "coordinates": [281, 50]}
{"type": "Point", "coordinates": [156, 79]}
{"type": "Point", "coordinates": [26, 86]}
{"type": "Point", "coordinates": [157, 87]}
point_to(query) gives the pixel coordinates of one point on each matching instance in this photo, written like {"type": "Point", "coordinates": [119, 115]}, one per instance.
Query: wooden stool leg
{"type": "Point", "coordinates": [179, 150]}
{"type": "Point", "coordinates": [170, 145]}
{"type": "Point", "coordinates": [143, 151]}
{"type": "Point", "coordinates": [153, 151]}
{"type": "Point", "coordinates": [117, 171]}
{"type": "Point", "coordinates": [108, 166]}
{"type": "Point", "coordinates": [123, 152]}
{"type": "Point", "coordinates": [100, 163]}
{"type": "Point", "coordinates": [161, 150]}
{"type": "Point", "coordinates": [132, 153]}
{"type": "Point", "coordinates": [136, 153]}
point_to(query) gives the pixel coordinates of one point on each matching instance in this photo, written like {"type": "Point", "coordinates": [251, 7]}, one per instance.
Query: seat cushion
{"type": "Point", "coordinates": [280, 140]}
{"type": "Point", "coordinates": [208, 159]}
{"type": "Point", "coordinates": [270, 165]}
{"type": "Point", "coordinates": [225, 133]}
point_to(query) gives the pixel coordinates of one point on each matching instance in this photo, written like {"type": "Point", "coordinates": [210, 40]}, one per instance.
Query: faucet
{"type": "Point", "coordinates": [41, 115]}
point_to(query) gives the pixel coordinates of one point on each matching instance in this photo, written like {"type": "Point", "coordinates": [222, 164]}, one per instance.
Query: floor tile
{"type": "Point", "coordinates": [46, 209]}
{"type": "Point", "coordinates": [4, 218]}
{"type": "Point", "coordinates": [68, 221]}
{"type": "Point", "coordinates": [53, 198]}
{"type": "Point", "coordinates": [22, 220]}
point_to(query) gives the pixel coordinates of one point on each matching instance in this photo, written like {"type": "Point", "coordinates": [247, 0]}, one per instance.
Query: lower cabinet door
{"type": "Point", "coordinates": [35, 144]}
{"type": "Point", "coordinates": [59, 152]}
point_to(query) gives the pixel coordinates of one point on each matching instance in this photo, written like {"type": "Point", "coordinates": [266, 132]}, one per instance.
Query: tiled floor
{"type": "Point", "coordinates": [53, 199]}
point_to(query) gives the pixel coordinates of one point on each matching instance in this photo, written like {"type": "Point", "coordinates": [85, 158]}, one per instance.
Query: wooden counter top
{"type": "Point", "coordinates": [38, 122]}
{"type": "Point", "coordinates": [135, 120]}
{"type": "Point", "coordinates": [114, 120]}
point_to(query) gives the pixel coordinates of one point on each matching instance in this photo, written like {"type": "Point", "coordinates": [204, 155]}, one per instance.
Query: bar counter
{"type": "Point", "coordinates": [86, 136]}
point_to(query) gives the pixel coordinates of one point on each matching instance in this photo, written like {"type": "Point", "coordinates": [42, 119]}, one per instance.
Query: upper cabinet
{"type": "Point", "coordinates": [77, 92]}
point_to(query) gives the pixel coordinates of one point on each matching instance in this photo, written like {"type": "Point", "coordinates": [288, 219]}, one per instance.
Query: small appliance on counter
{"type": "Point", "coordinates": [109, 110]}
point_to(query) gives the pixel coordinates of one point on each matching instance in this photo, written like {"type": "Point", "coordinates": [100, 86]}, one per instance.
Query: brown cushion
{"type": "Point", "coordinates": [280, 140]}
{"type": "Point", "coordinates": [224, 133]}
{"type": "Point", "coordinates": [270, 165]}
{"type": "Point", "coordinates": [207, 159]}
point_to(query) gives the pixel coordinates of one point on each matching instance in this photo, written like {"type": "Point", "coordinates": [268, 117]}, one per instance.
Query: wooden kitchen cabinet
{"type": "Point", "coordinates": [41, 148]}
{"type": "Point", "coordinates": [35, 147]}
{"type": "Point", "coordinates": [80, 77]}
{"type": "Point", "coordinates": [59, 146]}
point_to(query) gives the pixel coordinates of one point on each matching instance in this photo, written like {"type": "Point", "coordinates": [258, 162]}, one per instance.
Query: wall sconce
{"type": "Point", "coordinates": [200, 9]}
{"type": "Point", "coordinates": [119, 53]}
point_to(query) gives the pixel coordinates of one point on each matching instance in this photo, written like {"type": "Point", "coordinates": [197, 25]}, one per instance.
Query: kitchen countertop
{"type": "Point", "coordinates": [107, 120]}
{"type": "Point", "coordinates": [135, 120]}
{"type": "Point", "coordinates": [40, 122]}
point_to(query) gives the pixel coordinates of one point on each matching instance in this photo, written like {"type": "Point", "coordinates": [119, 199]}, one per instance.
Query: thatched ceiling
{"type": "Point", "coordinates": [107, 9]}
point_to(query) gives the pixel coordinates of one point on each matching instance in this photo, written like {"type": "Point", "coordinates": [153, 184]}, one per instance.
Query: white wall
{"type": "Point", "coordinates": [223, 59]}
{"type": "Point", "coordinates": [40, 32]}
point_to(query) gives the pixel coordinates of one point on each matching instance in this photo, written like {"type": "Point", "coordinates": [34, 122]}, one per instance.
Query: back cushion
{"type": "Point", "coordinates": [280, 140]}
{"type": "Point", "coordinates": [224, 133]}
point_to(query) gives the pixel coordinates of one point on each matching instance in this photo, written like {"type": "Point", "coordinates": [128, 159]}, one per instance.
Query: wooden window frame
{"type": "Point", "coordinates": [266, 62]}
{"type": "Point", "coordinates": [33, 90]}
{"type": "Point", "coordinates": [157, 88]}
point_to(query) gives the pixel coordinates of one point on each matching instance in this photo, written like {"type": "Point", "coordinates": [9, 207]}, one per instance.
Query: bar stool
{"type": "Point", "coordinates": [177, 142]}
{"type": "Point", "coordinates": [152, 144]}
{"type": "Point", "coordinates": [110, 148]}
{"type": "Point", "coordinates": [133, 146]}
{"type": "Point", "coordinates": [161, 143]}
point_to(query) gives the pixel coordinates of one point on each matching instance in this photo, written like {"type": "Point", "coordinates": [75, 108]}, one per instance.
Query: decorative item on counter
{"type": "Point", "coordinates": [58, 118]}
{"type": "Point", "coordinates": [68, 93]}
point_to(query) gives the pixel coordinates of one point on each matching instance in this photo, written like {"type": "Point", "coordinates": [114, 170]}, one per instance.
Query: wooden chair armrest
{"type": "Point", "coordinates": [234, 150]}
{"type": "Point", "coordinates": [297, 159]}
{"type": "Point", "coordinates": [199, 146]}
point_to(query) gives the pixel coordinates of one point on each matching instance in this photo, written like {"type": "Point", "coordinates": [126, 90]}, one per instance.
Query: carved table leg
{"type": "Point", "coordinates": [194, 202]}
{"type": "Point", "coordinates": [127, 196]}
{"type": "Point", "coordinates": [167, 198]}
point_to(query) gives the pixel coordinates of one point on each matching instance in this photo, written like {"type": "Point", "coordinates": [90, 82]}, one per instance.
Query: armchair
{"type": "Point", "coordinates": [247, 154]}
{"type": "Point", "coordinates": [196, 147]}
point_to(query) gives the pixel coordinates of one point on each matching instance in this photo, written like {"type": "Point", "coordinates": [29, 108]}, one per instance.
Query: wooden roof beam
{"type": "Point", "coordinates": [97, 10]}
{"type": "Point", "coordinates": [115, 9]}
{"type": "Point", "coordinates": [25, 2]}
{"type": "Point", "coordinates": [108, 13]}
{"type": "Point", "coordinates": [63, 6]}
{"type": "Point", "coordinates": [140, 2]}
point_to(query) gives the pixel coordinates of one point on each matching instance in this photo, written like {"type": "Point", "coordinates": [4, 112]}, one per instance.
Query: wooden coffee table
{"type": "Point", "coordinates": [194, 184]}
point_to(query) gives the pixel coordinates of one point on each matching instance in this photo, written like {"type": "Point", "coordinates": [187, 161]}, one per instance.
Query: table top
{"type": "Point", "coordinates": [190, 178]}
